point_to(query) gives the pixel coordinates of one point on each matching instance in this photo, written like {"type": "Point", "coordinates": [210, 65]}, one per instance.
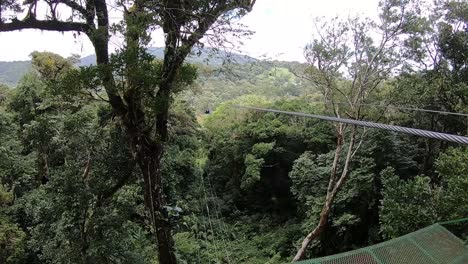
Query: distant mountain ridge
{"type": "Point", "coordinates": [207, 56]}
{"type": "Point", "coordinates": [12, 71]}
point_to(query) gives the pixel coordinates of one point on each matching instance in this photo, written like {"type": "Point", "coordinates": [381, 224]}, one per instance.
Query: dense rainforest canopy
{"type": "Point", "coordinates": [142, 157]}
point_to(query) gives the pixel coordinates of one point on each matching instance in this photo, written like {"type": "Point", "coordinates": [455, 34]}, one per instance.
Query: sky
{"type": "Point", "coordinates": [282, 29]}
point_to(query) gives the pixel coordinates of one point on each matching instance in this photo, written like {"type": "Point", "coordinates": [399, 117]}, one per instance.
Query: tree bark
{"type": "Point", "coordinates": [49, 25]}
{"type": "Point", "coordinates": [148, 150]}
{"type": "Point", "coordinates": [334, 186]}
{"type": "Point", "coordinates": [43, 165]}
{"type": "Point", "coordinates": [316, 232]}
{"type": "Point", "coordinates": [149, 159]}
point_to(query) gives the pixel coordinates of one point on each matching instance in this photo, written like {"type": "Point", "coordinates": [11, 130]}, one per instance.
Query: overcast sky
{"type": "Point", "coordinates": [283, 28]}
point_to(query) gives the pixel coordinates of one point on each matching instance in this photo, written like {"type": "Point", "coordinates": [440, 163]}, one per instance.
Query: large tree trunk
{"type": "Point", "coordinates": [43, 161]}
{"type": "Point", "coordinates": [316, 232]}
{"type": "Point", "coordinates": [334, 186]}
{"type": "Point", "coordinates": [149, 159]}
{"type": "Point", "coordinates": [148, 149]}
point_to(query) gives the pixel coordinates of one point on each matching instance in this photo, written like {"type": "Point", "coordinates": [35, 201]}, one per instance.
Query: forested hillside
{"type": "Point", "coordinates": [143, 156]}
{"type": "Point", "coordinates": [222, 76]}
{"type": "Point", "coordinates": [12, 71]}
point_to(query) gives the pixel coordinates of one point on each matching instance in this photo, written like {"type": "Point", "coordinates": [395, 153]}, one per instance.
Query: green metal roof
{"type": "Point", "coordinates": [431, 245]}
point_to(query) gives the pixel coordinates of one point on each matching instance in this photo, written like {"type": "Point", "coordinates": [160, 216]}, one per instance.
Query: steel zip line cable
{"type": "Point", "coordinates": [412, 131]}
{"type": "Point", "coordinates": [407, 108]}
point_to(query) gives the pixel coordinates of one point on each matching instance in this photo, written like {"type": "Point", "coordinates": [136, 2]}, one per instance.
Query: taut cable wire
{"type": "Point", "coordinates": [412, 131]}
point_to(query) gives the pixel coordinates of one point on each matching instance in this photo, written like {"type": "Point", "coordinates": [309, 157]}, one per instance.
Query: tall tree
{"type": "Point", "coordinates": [436, 74]}
{"type": "Point", "coordinates": [141, 99]}
{"type": "Point", "coordinates": [348, 64]}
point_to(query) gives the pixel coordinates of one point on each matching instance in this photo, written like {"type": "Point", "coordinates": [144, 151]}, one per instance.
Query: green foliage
{"type": "Point", "coordinates": [5, 93]}
{"type": "Point", "coordinates": [408, 205]}
{"type": "Point", "coordinates": [262, 149]}
{"type": "Point", "coordinates": [179, 164]}
{"type": "Point", "coordinates": [13, 170]}
{"type": "Point", "coordinates": [67, 225]}
{"type": "Point", "coordinates": [310, 176]}
{"type": "Point", "coordinates": [272, 80]}
{"type": "Point", "coordinates": [436, 75]}
{"type": "Point", "coordinates": [72, 217]}
{"type": "Point", "coordinates": [241, 186]}
{"type": "Point", "coordinates": [12, 242]}
{"type": "Point", "coordinates": [50, 65]}
{"type": "Point", "coordinates": [77, 195]}
{"type": "Point", "coordinates": [250, 239]}
{"type": "Point", "coordinates": [350, 212]}
{"type": "Point", "coordinates": [27, 97]}
{"type": "Point", "coordinates": [17, 171]}
{"type": "Point", "coordinates": [253, 164]}
{"type": "Point", "coordinates": [452, 167]}
{"type": "Point", "coordinates": [12, 238]}
{"type": "Point", "coordinates": [69, 175]}
{"type": "Point", "coordinates": [252, 171]}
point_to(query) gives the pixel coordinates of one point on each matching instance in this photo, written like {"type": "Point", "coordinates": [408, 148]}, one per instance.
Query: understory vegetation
{"type": "Point", "coordinates": [239, 186]}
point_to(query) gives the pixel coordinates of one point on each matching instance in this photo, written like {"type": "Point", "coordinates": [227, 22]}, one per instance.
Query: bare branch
{"type": "Point", "coordinates": [74, 6]}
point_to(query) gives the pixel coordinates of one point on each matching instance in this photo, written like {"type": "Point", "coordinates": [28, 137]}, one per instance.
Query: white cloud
{"type": "Point", "coordinates": [282, 27]}
{"type": "Point", "coordinates": [18, 45]}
